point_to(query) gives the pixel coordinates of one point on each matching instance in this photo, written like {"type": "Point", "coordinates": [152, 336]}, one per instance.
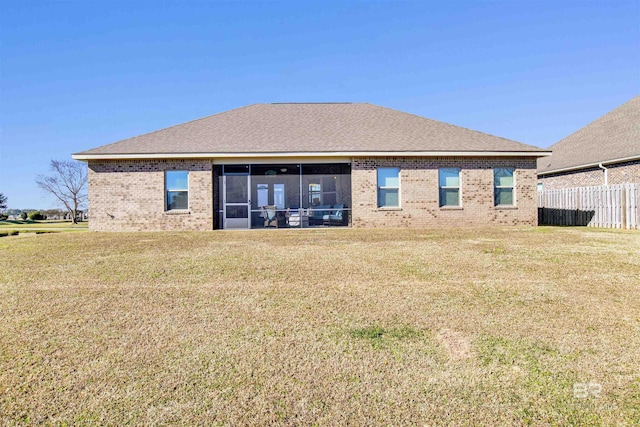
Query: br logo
{"type": "Point", "coordinates": [584, 390]}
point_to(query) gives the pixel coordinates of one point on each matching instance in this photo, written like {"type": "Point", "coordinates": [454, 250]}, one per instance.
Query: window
{"type": "Point", "coordinates": [324, 191]}
{"type": "Point", "coordinates": [278, 196]}
{"type": "Point", "coordinates": [388, 187]}
{"type": "Point", "coordinates": [263, 194]}
{"type": "Point", "coordinates": [315, 194]}
{"type": "Point", "coordinates": [177, 188]}
{"type": "Point", "coordinates": [503, 187]}
{"type": "Point", "coordinates": [449, 183]}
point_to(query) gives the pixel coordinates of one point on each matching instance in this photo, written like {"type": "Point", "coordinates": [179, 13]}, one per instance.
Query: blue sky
{"type": "Point", "coordinates": [78, 74]}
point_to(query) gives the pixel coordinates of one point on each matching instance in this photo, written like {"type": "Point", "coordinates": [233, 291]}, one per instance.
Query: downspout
{"type": "Point", "coordinates": [606, 175]}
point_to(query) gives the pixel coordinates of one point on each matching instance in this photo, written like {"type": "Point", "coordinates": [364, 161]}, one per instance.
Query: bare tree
{"type": "Point", "coordinates": [68, 183]}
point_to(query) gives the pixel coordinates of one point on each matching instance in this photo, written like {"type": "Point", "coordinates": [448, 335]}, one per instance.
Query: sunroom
{"type": "Point", "coordinates": [282, 195]}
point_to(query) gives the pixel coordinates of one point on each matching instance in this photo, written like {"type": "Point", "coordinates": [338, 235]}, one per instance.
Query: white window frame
{"type": "Point", "coordinates": [450, 187]}
{"type": "Point", "coordinates": [388, 188]}
{"type": "Point", "coordinates": [175, 190]}
{"type": "Point", "coordinates": [512, 187]}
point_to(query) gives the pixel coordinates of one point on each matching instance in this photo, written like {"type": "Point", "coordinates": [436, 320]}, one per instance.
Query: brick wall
{"type": "Point", "coordinates": [624, 173]}
{"type": "Point", "coordinates": [128, 195]}
{"type": "Point", "coordinates": [419, 192]}
{"type": "Point", "coordinates": [621, 173]}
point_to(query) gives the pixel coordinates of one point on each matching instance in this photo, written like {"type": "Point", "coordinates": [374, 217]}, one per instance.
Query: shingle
{"type": "Point", "coordinates": [616, 135]}
{"type": "Point", "coordinates": [317, 128]}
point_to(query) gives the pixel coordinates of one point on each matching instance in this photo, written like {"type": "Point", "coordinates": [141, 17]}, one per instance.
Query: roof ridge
{"type": "Point", "coordinates": [313, 103]}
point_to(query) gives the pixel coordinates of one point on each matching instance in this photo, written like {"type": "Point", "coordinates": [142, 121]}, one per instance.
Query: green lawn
{"type": "Point", "coordinates": [500, 326]}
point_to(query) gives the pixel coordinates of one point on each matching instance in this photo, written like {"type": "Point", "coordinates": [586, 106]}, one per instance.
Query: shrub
{"type": "Point", "coordinates": [3, 217]}
{"type": "Point", "coordinates": [35, 216]}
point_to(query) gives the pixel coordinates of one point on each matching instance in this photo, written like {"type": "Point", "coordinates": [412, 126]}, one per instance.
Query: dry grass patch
{"type": "Point", "coordinates": [458, 346]}
{"type": "Point", "coordinates": [324, 327]}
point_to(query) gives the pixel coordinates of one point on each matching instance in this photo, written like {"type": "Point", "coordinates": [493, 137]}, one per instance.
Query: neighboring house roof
{"type": "Point", "coordinates": [612, 138]}
{"type": "Point", "coordinates": [308, 129]}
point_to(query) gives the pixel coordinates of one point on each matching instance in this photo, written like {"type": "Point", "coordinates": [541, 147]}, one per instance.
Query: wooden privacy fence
{"type": "Point", "coordinates": [608, 206]}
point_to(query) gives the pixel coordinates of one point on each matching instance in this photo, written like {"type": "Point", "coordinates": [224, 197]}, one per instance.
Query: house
{"type": "Point", "coordinates": [605, 152]}
{"type": "Point", "coordinates": [311, 164]}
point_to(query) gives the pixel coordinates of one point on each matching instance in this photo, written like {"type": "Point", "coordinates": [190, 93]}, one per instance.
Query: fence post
{"type": "Point", "coordinates": [576, 207]}
{"type": "Point", "coordinates": [624, 196]}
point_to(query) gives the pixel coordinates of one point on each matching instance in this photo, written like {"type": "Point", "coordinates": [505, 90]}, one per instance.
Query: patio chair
{"type": "Point", "coordinates": [271, 217]}
{"type": "Point", "coordinates": [336, 217]}
{"type": "Point", "coordinates": [317, 213]}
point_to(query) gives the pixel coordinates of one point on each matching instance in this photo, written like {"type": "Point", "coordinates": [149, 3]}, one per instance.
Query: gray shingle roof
{"type": "Point", "coordinates": [616, 135]}
{"type": "Point", "coordinates": [312, 128]}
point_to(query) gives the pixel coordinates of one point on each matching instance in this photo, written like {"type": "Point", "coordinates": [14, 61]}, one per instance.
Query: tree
{"type": "Point", "coordinates": [3, 206]}
{"type": "Point", "coordinates": [36, 216]}
{"type": "Point", "coordinates": [54, 213]}
{"type": "Point", "coordinates": [24, 215]}
{"type": "Point", "coordinates": [68, 183]}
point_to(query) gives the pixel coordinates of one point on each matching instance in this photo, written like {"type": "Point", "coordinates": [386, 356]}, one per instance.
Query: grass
{"type": "Point", "coordinates": [28, 226]}
{"type": "Point", "coordinates": [380, 337]}
{"type": "Point", "coordinates": [321, 327]}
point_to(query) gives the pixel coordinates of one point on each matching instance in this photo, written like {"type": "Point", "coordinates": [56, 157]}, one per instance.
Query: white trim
{"type": "Point", "coordinates": [513, 188]}
{"type": "Point", "coordinates": [278, 160]}
{"type": "Point", "coordinates": [166, 191]}
{"type": "Point", "coordinates": [388, 188]}
{"type": "Point", "coordinates": [314, 155]}
{"type": "Point", "coordinates": [446, 187]}
{"type": "Point", "coordinates": [589, 165]}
